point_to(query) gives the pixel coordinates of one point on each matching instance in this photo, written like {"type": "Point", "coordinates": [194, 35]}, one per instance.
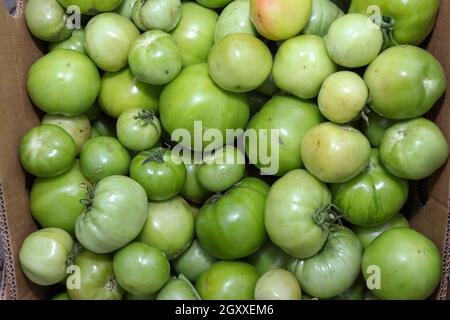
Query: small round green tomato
{"type": "Point", "coordinates": [239, 62]}
{"type": "Point", "coordinates": [278, 284]}
{"type": "Point", "coordinates": [92, 7]}
{"type": "Point", "coordinates": [75, 42]}
{"type": "Point", "coordinates": [268, 257]}
{"type": "Point", "coordinates": [43, 256]}
{"type": "Point", "coordinates": [78, 127]}
{"type": "Point", "coordinates": [138, 129]}
{"type": "Point", "coordinates": [160, 172]}
{"type": "Point", "coordinates": [303, 76]}
{"type": "Point", "coordinates": [63, 82]}
{"type": "Point", "coordinates": [367, 235]}
{"type": "Point", "coordinates": [169, 226]}
{"type": "Point", "coordinates": [161, 15]}
{"type": "Point", "coordinates": [375, 126]}
{"type": "Point", "coordinates": [214, 3]}
{"type": "Point", "coordinates": [354, 40]}
{"type": "Point", "coordinates": [222, 169]}
{"type": "Point", "coordinates": [47, 151]}
{"type": "Point", "coordinates": [46, 20]}
{"type": "Point", "coordinates": [335, 154]}
{"type": "Point", "coordinates": [55, 202]}
{"type": "Point", "coordinates": [192, 262]}
{"type": "Point", "coordinates": [155, 58]}
{"type": "Point", "coordinates": [121, 91]}
{"type": "Point", "coordinates": [108, 40]}
{"type": "Point", "coordinates": [192, 189]}
{"type": "Point", "coordinates": [141, 269]}
{"type": "Point", "coordinates": [178, 289]}
{"type": "Point", "coordinates": [235, 18]}
{"type": "Point", "coordinates": [342, 97]}
{"type": "Point", "coordinates": [408, 264]}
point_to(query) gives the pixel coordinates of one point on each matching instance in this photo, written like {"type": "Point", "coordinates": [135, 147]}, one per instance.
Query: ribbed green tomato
{"type": "Point", "coordinates": [234, 18]}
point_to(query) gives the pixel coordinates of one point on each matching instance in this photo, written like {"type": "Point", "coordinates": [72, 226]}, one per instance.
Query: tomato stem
{"type": "Point", "coordinates": [148, 118]}
{"type": "Point", "coordinates": [89, 200]}
{"type": "Point", "coordinates": [156, 155]}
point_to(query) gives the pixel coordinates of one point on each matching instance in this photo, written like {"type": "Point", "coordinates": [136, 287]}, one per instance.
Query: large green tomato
{"type": "Point", "coordinates": [231, 226]}
{"type": "Point", "coordinates": [192, 189]}
{"type": "Point", "coordinates": [278, 284]}
{"type": "Point", "coordinates": [407, 265]}
{"type": "Point", "coordinates": [43, 256]}
{"type": "Point", "coordinates": [121, 91]}
{"type": "Point", "coordinates": [55, 202]}
{"type": "Point", "coordinates": [126, 8]}
{"type": "Point", "coordinates": [47, 151]}
{"type": "Point", "coordinates": [302, 77]}
{"type": "Point", "coordinates": [335, 154]}
{"type": "Point", "coordinates": [102, 157]}
{"type": "Point", "coordinates": [178, 289]}
{"type": "Point", "coordinates": [374, 127]}
{"type": "Point", "coordinates": [195, 32]}
{"type": "Point", "coordinates": [189, 98]}
{"type": "Point", "coordinates": [367, 235]}
{"type": "Point", "coordinates": [115, 214]}
{"type": "Point", "coordinates": [279, 19]}
{"type": "Point", "coordinates": [141, 269]}
{"type": "Point", "coordinates": [411, 20]}
{"type": "Point", "coordinates": [239, 62]}
{"type": "Point", "coordinates": [228, 280]}
{"type": "Point", "coordinates": [235, 18]}
{"type": "Point", "coordinates": [268, 257]}
{"type": "Point", "coordinates": [78, 127]}
{"type": "Point", "coordinates": [75, 42]}
{"type": "Point", "coordinates": [138, 129]}
{"type": "Point", "coordinates": [192, 262]}
{"type": "Point", "coordinates": [92, 7]}
{"type": "Point", "coordinates": [160, 172]}
{"type": "Point", "coordinates": [169, 226]}
{"type": "Point", "coordinates": [414, 149]}
{"type": "Point", "coordinates": [293, 118]}
{"type": "Point", "coordinates": [298, 214]}
{"type": "Point", "coordinates": [46, 20]}
{"type": "Point", "coordinates": [334, 269]}
{"type": "Point", "coordinates": [161, 15]}
{"type": "Point", "coordinates": [155, 58]}
{"type": "Point", "coordinates": [96, 278]}
{"type": "Point", "coordinates": [323, 14]}
{"type": "Point", "coordinates": [404, 82]}
{"type": "Point", "coordinates": [108, 40]}
{"type": "Point", "coordinates": [214, 3]}
{"type": "Point", "coordinates": [373, 197]}
{"type": "Point", "coordinates": [63, 82]}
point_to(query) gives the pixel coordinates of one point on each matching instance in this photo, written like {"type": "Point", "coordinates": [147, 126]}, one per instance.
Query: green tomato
{"type": "Point", "coordinates": [192, 189]}
{"type": "Point", "coordinates": [43, 256]}
{"type": "Point", "coordinates": [297, 213]}
{"type": "Point", "coordinates": [141, 269]}
{"type": "Point", "coordinates": [138, 129]}
{"type": "Point", "coordinates": [189, 98]}
{"type": "Point", "coordinates": [78, 127]}
{"type": "Point", "coordinates": [115, 214]}
{"type": "Point", "coordinates": [62, 296]}
{"type": "Point", "coordinates": [104, 126]}
{"type": "Point", "coordinates": [373, 197]}
{"type": "Point", "coordinates": [121, 91]}
{"type": "Point", "coordinates": [354, 41]}
{"type": "Point", "coordinates": [235, 18]}
{"type": "Point", "coordinates": [160, 172]}
{"type": "Point", "coordinates": [126, 8]}
{"type": "Point", "coordinates": [231, 226]}
{"type": "Point", "coordinates": [155, 58]}
{"type": "Point", "coordinates": [367, 235]}
{"type": "Point", "coordinates": [414, 149]}
{"type": "Point", "coordinates": [239, 62]}
{"type": "Point", "coordinates": [228, 280]}
{"type": "Point", "coordinates": [374, 127]}
{"type": "Point", "coordinates": [323, 14]}
{"type": "Point", "coordinates": [55, 202]}
{"type": "Point", "coordinates": [178, 289]}
{"type": "Point", "coordinates": [136, 17]}
{"type": "Point", "coordinates": [222, 169]}
{"type": "Point", "coordinates": [63, 82]}
{"type": "Point", "coordinates": [411, 20]}
{"type": "Point", "coordinates": [102, 157]}
{"type": "Point", "coordinates": [335, 153]}
{"type": "Point", "coordinates": [342, 97]}
{"type": "Point", "coordinates": [268, 257]}
{"type": "Point", "coordinates": [214, 3]}
{"type": "Point", "coordinates": [195, 32]}
{"type": "Point", "coordinates": [47, 151]}
{"type": "Point", "coordinates": [91, 7]}
{"type": "Point", "coordinates": [46, 20]}
{"type": "Point", "coordinates": [408, 265]}
{"type": "Point", "coordinates": [108, 40]}
{"type": "Point", "coordinates": [280, 19]}
{"type": "Point", "coordinates": [404, 82]}
{"type": "Point", "coordinates": [278, 284]}
{"type": "Point", "coordinates": [293, 118]}
{"type": "Point", "coordinates": [169, 226]}
{"type": "Point", "coordinates": [74, 42]}
{"type": "Point", "coordinates": [96, 278]}
{"type": "Point", "coordinates": [302, 77]}
{"type": "Point", "coordinates": [334, 269]}
{"type": "Point", "coordinates": [161, 15]}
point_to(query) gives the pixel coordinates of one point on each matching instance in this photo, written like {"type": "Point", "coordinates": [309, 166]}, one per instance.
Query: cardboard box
{"type": "Point", "coordinates": [428, 207]}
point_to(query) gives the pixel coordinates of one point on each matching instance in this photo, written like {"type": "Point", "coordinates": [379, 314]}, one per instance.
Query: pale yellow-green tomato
{"type": "Point", "coordinates": [278, 284]}
{"type": "Point", "coordinates": [343, 96]}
